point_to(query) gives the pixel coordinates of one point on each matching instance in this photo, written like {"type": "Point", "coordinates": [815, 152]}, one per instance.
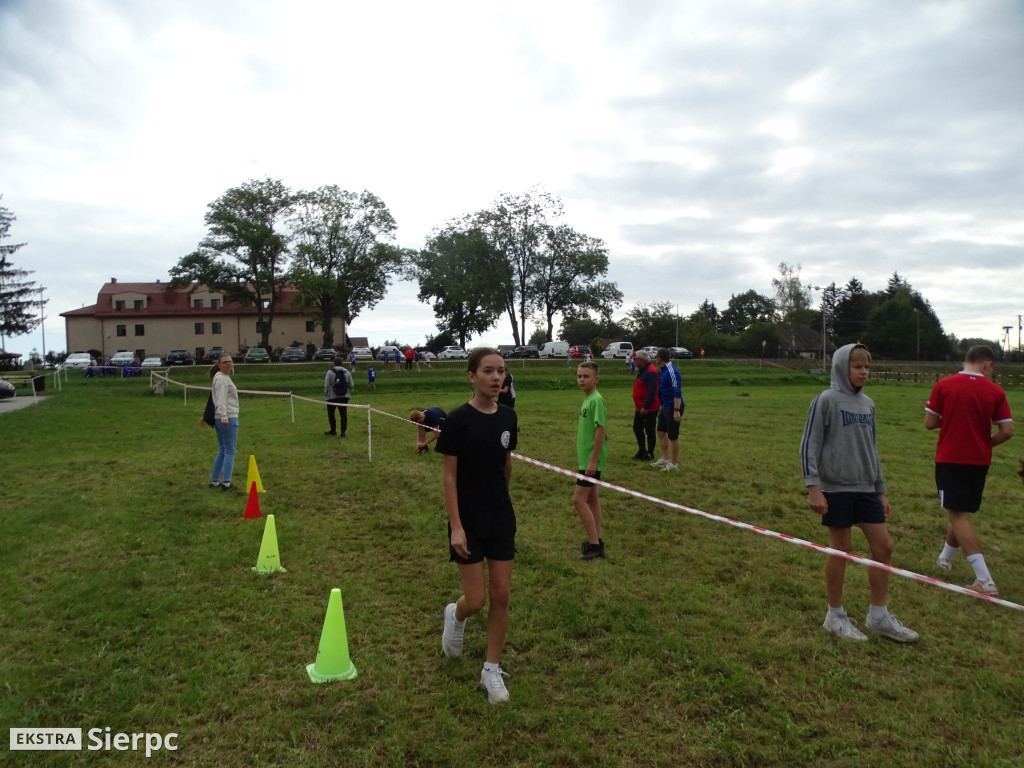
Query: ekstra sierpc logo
{"type": "Point", "coordinates": [53, 739]}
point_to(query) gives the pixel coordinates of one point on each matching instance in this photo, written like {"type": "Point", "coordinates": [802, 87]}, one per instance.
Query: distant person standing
{"type": "Point", "coordinates": [352, 360]}
{"type": "Point", "coordinates": [225, 405]}
{"type": "Point", "coordinates": [371, 379]}
{"type": "Point", "coordinates": [507, 395]}
{"type": "Point", "coordinates": [671, 413]}
{"type": "Point", "coordinates": [645, 398]}
{"type": "Point", "coordinates": [591, 458]}
{"type": "Point", "coordinates": [964, 408]}
{"type": "Point", "coordinates": [337, 391]}
{"type": "Point", "coordinates": [410, 353]}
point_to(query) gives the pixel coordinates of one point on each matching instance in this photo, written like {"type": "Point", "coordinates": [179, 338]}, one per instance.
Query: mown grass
{"type": "Point", "coordinates": [128, 598]}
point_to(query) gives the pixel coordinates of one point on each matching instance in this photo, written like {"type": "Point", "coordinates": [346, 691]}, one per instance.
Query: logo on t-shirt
{"type": "Point", "coordinates": [505, 437]}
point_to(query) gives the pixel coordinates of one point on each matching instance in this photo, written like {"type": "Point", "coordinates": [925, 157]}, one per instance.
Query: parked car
{"type": "Point", "coordinates": [522, 352]}
{"type": "Point", "coordinates": [680, 353]}
{"type": "Point", "coordinates": [580, 350]}
{"type": "Point", "coordinates": [79, 360]}
{"type": "Point", "coordinates": [425, 355]}
{"type": "Point", "coordinates": [123, 358]}
{"type": "Point", "coordinates": [152, 362]}
{"type": "Point", "coordinates": [213, 354]}
{"type": "Point", "coordinates": [618, 349]}
{"type": "Point", "coordinates": [652, 351]}
{"type": "Point", "coordinates": [256, 355]}
{"type": "Point", "coordinates": [554, 349]}
{"type": "Point", "coordinates": [388, 350]}
{"type": "Point", "coordinates": [451, 353]}
{"type": "Point", "coordinates": [292, 355]}
{"type": "Point", "coordinates": [180, 357]}
{"type": "Point", "coordinates": [362, 353]}
{"type": "Point", "coordinates": [325, 353]}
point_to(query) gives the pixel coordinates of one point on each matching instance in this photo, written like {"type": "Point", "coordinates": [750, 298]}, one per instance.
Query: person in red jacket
{"type": "Point", "coordinates": [645, 398]}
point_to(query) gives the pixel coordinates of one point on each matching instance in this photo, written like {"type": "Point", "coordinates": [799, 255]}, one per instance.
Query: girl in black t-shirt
{"type": "Point", "coordinates": [477, 441]}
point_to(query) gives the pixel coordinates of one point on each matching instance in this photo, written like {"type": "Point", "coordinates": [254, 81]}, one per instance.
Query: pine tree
{"type": "Point", "coordinates": [18, 303]}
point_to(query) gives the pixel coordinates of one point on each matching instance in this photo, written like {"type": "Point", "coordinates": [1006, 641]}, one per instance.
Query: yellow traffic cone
{"type": "Point", "coordinates": [254, 475]}
{"type": "Point", "coordinates": [332, 660]}
{"type": "Point", "coordinates": [269, 560]}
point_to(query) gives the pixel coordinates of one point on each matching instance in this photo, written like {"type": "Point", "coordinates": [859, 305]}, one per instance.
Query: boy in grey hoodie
{"type": "Point", "coordinates": [845, 486]}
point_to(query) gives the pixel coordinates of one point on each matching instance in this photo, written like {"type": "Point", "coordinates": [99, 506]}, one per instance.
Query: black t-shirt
{"type": "Point", "coordinates": [481, 443]}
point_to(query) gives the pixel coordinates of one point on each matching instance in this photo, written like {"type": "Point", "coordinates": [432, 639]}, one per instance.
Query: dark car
{"type": "Point", "coordinates": [680, 353]}
{"type": "Point", "coordinates": [325, 353]}
{"type": "Point", "coordinates": [179, 357]}
{"type": "Point", "coordinates": [292, 355]}
{"type": "Point", "coordinates": [522, 352]}
{"type": "Point", "coordinates": [213, 354]}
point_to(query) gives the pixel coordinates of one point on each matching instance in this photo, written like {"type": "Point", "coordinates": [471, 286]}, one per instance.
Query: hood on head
{"type": "Point", "coordinates": [841, 369]}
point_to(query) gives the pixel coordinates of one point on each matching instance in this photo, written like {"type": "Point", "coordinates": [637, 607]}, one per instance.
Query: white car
{"type": "Point", "coordinates": [79, 360]}
{"type": "Point", "coordinates": [362, 353]}
{"type": "Point", "coordinates": [451, 353]}
{"type": "Point", "coordinates": [652, 352]}
{"type": "Point", "coordinates": [152, 362]}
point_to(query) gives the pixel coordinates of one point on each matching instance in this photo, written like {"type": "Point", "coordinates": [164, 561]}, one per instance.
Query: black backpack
{"type": "Point", "coordinates": [340, 382]}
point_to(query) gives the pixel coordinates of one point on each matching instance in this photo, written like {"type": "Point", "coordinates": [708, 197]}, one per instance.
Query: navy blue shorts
{"type": "Point", "coordinates": [846, 509]}
{"type": "Point", "coordinates": [497, 548]}
{"type": "Point", "coordinates": [585, 483]}
{"type": "Point", "coordinates": [960, 485]}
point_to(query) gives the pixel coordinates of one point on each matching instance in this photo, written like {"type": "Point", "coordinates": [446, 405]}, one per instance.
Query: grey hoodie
{"type": "Point", "coordinates": [839, 451]}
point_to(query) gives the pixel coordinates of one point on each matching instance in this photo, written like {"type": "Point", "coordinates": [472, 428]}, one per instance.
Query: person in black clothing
{"type": "Point", "coordinates": [337, 390]}
{"type": "Point", "coordinates": [507, 395]}
{"type": "Point", "coordinates": [430, 421]}
{"type": "Point", "coordinates": [645, 398]}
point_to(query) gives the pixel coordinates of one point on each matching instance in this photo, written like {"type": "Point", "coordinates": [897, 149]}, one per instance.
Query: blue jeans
{"type": "Point", "coordinates": [227, 436]}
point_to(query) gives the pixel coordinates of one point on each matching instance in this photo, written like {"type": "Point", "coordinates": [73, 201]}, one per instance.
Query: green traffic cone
{"type": "Point", "coordinates": [269, 560]}
{"type": "Point", "coordinates": [332, 660]}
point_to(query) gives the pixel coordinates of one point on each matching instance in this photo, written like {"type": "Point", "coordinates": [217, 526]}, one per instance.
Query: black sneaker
{"type": "Point", "coordinates": [215, 485]}
{"type": "Point", "coordinates": [227, 487]}
{"type": "Point", "coordinates": [330, 433]}
{"type": "Point", "coordinates": [639, 455]}
{"type": "Point", "coordinates": [591, 551]}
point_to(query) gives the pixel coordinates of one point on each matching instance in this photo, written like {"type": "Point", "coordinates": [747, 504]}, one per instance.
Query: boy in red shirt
{"type": "Point", "coordinates": [964, 408]}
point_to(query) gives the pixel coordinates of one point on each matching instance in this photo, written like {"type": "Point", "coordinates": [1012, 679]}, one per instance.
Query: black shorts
{"type": "Point", "coordinates": [847, 509]}
{"type": "Point", "coordinates": [667, 423]}
{"type": "Point", "coordinates": [497, 548]}
{"type": "Point", "coordinates": [960, 485]}
{"type": "Point", "coordinates": [585, 483]}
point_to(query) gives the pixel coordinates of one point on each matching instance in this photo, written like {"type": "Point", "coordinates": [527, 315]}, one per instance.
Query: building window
{"type": "Point", "coordinates": [310, 326]}
{"type": "Point", "coordinates": [266, 303]}
{"type": "Point", "coordinates": [119, 305]}
{"type": "Point", "coordinates": [122, 330]}
{"type": "Point", "coordinates": [259, 326]}
{"type": "Point", "coordinates": [140, 329]}
{"type": "Point", "coordinates": [214, 327]}
{"type": "Point", "coordinates": [199, 329]}
{"type": "Point", "coordinates": [197, 303]}
{"type": "Point", "coordinates": [139, 303]}
{"type": "Point", "coordinates": [214, 303]}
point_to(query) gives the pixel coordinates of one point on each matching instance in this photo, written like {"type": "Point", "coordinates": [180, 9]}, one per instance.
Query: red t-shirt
{"type": "Point", "coordinates": [968, 404]}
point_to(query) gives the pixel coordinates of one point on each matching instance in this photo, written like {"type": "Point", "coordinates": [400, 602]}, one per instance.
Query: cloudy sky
{"type": "Point", "coordinates": [705, 141]}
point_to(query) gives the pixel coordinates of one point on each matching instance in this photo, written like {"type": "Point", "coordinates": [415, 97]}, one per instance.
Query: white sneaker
{"type": "Point", "coordinates": [491, 682]}
{"type": "Point", "coordinates": [659, 463]}
{"type": "Point", "coordinates": [892, 628]}
{"type": "Point", "coordinates": [843, 626]}
{"type": "Point", "coordinates": [984, 587]}
{"type": "Point", "coordinates": [944, 564]}
{"type": "Point", "coordinates": [451, 638]}
{"type": "Point", "coordinates": [669, 467]}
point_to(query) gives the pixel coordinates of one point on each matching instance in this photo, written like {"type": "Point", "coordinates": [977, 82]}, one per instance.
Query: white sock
{"type": "Point", "coordinates": [877, 612]}
{"type": "Point", "coordinates": [839, 612]}
{"type": "Point", "coordinates": [488, 667]}
{"type": "Point", "coordinates": [980, 569]}
{"type": "Point", "coordinates": [948, 552]}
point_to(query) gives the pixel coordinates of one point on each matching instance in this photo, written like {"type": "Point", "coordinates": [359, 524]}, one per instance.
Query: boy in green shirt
{"type": "Point", "coordinates": [591, 458]}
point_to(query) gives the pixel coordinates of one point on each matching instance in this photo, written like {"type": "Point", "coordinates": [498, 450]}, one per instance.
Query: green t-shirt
{"type": "Point", "coordinates": [592, 416]}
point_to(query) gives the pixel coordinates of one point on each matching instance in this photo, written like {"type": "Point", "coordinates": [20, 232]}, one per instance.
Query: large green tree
{"type": "Point", "coordinates": [791, 296]}
{"type": "Point", "coordinates": [853, 306]}
{"type": "Point", "coordinates": [746, 309]}
{"type": "Point", "coordinates": [345, 256]}
{"type": "Point", "coordinates": [567, 278]}
{"type": "Point", "coordinates": [19, 298]}
{"type": "Point", "coordinates": [244, 252]}
{"type": "Point", "coordinates": [652, 324]}
{"type": "Point", "coordinates": [904, 326]}
{"type": "Point", "coordinates": [461, 273]}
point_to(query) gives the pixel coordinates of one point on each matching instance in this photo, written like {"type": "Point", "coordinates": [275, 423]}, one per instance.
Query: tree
{"type": "Point", "coordinates": [653, 324]}
{"type": "Point", "coordinates": [18, 296]}
{"type": "Point", "coordinates": [567, 275]}
{"type": "Point", "coordinates": [456, 271]}
{"type": "Point", "coordinates": [710, 311]}
{"type": "Point", "coordinates": [517, 227]}
{"type": "Point", "coordinates": [904, 326]}
{"type": "Point", "coordinates": [344, 257]}
{"type": "Point", "coordinates": [791, 296]}
{"type": "Point", "coordinates": [851, 313]}
{"type": "Point", "coordinates": [745, 310]}
{"type": "Point", "coordinates": [583, 329]}
{"type": "Point", "coordinates": [243, 254]}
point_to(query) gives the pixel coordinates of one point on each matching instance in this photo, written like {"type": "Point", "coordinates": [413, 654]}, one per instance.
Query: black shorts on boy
{"type": "Point", "coordinates": [587, 483]}
{"type": "Point", "coordinates": [847, 509]}
{"type": "Point", "coordinates": [960, 485]}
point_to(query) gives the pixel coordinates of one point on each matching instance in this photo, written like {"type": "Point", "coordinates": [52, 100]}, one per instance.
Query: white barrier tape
{"type": "Point", "coordinates": [781, 536]}
{"type": "Point", "coordinates": [324, 402]}
{"type": "Point", "coordinates": [407, 421]}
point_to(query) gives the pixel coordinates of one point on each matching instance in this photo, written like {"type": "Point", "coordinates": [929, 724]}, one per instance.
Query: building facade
{"type": "Point", "coordinates": [150, 319]}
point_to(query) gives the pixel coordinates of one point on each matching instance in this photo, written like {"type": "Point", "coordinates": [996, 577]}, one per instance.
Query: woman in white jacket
{"type": "Point", "coordinates": [225, 405]}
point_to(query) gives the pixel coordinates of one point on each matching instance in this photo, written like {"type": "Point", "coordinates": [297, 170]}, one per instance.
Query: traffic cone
{"type": "Point", "coordinates": [269, 560]}
{"type": "Point", "coordinates": [332, 660]}
{"type": "Point", "coordinates": [252, 506]}
{"type": "Point", "coordinates": [254, 475]}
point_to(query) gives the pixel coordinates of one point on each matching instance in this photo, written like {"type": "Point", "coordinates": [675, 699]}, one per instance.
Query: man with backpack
{"type": "Point", "coordinates": [337, 390]}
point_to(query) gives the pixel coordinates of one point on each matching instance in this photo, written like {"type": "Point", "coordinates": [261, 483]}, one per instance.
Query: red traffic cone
{"type": "Point", "coordinates": [252, 506]}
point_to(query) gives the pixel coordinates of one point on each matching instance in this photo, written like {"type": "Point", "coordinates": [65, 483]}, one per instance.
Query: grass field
{"type": "Point", "coordinates": [128, 601]}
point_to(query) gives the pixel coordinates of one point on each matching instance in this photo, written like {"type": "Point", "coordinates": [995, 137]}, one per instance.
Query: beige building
{"type": "Point", "coordinates": [150, 319]}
